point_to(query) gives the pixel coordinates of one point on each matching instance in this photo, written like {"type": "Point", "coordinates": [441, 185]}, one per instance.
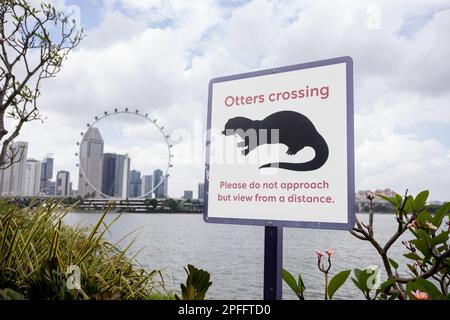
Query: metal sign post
{"type": "Point", "coordinates": [273, 263]}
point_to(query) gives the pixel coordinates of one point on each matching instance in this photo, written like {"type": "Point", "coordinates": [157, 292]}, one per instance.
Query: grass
{"type": "Point", "coordinates": [37, 248]}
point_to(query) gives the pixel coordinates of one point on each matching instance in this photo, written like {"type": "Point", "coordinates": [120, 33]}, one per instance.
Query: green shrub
{"type": "Point", "coordinates": [37, 249]}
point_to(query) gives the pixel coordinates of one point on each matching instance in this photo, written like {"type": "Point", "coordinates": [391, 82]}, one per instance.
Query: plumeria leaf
{"type": "Point", "coordinates": [384, 285]}
{"type": "Point", "coordinates": [412, 269]}
{"type": "Point", "coordinates": [362, 277]}
{"type": "Point", "coordinates": [336, 282]}
{"type": "Point", "coordinates": [355, 281]}
{"type": "Point", "coordinates": [424, 236]}
{"type": "Point", "coordinates": [290, 280]}
{"type": "Point", "coordinates": [423, 217]}
{"type": "Point", "coordinates": [301, 284]}
{"type": "Point", "coordinates": [420, 200]}
{"type": "Point", "coordinates": [398, 199]}
{"type": "Point", "coordinates": [412, 256]}
{"type": "Point", "coordinates": [442, 237]}
{"type": "Point", "coordinates": [440, 214]}
{"type": "Point", "coordinates": [388, 199]}
{"type": "Point", "coordinates": [357, 272]}
{"type": "Point", "coordinates": [393, 263]}
{"type": "Point", "coordinates": [421, 245]}
{"type": "Point", "coordinates": [409, 205]}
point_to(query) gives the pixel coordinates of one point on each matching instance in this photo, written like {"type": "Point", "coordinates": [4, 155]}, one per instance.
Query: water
{"type": "Point", "coordinates": [234, 254]}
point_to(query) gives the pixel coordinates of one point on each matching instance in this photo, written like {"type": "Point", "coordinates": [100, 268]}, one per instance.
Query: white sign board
{"type": "Point", "coordinates": [280, 148]}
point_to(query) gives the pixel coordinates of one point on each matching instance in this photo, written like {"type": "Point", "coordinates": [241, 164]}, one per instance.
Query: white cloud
{"type": "Point", "coordinates": [134, 59]}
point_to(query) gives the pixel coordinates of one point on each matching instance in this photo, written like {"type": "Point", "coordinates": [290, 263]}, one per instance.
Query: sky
{"type": "Point", "coordinates": [159, 55]}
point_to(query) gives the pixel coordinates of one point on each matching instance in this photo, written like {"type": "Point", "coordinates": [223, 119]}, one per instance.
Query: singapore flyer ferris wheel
{"type": "Point", "coordinates": [124, 154]}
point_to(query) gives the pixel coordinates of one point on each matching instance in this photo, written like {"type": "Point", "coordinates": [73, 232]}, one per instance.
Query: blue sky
{"type": "Point", "coordinates": [161, 54]}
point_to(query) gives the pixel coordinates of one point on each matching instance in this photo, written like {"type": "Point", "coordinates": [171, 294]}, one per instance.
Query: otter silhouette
{"type": "Point", "coordinates": [296, 131]}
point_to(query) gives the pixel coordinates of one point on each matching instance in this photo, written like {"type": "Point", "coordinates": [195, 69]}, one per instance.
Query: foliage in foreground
{"type": "Point", "coordinates": [427, 250]}
{"type": "Point", "coordinates": [197, 284]}
{"type": "Point", "coordinates": [39, 254]}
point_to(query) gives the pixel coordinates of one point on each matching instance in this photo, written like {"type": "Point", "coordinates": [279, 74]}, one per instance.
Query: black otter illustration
{"type": "Point", "coordinates": [296, 131]}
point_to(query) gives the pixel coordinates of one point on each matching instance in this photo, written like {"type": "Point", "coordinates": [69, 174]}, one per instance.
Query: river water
{"type": "Point", "coordinates": [234, 254]}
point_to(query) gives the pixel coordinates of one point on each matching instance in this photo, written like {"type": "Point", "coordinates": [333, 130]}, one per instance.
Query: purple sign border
{"type": "Point", "coordinates": [350, 150]}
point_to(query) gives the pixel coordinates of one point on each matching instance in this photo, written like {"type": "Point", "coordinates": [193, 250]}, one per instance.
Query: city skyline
{"type": "Point", "coordinates": [26, 175]}
{"type": "Point", "coordinates": [31, 177]}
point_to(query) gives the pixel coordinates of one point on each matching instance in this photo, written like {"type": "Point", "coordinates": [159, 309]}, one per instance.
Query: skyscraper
{"type": "Point", "coordinates": [13, 177]}
{"type": "Point", "coordinates": [134, 188]}
{"type": "Point", "coordinates": [91, 163]}
{"type": "Point", "coordinates": [46, 174]}
{"type": "Point", "coordinates": [32, 178]}
{"type": "Point", "coordinates": [115, 175]}
{"type": "Point", "coordinates": [108, 176]}
{"type": "Point", "coordinates": [188, 195]}
{"type": "Point", "coordinates": [161, 190]}
{"type": "Point", "coordinates": [147, 186]}
{"type": "Point", "coordinates": [62, 183]}
{"type": "Point", "coordinates": [51, 188]}
{"type": "Point", "coordinates": [201, 191]}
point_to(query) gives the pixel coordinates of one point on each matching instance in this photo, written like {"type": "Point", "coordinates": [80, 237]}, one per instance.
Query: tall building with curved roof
{"type": "Point", "coordinates": [91, 163]}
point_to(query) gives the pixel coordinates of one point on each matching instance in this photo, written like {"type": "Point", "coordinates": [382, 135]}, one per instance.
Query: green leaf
{"type": "Point", "coordinates": [385, 285]}
{"type": "Point", "coordinates": [337, 281]}
{"type": "Point", "coordinates": [393, 263]}
{"type": "Point", "coordinates": [398, 199]}
{"type": "Point", "coordinates": [412, 256]}
{"type": "Point", "coordinates": [425, 236]}
{"type": "Point", "coordinates": [409, 205]}
{"type": "Point", "coordinates": [442, 237]}
{"type": "Point", "coordinates": [361, 280]}
{"type": "Point", "coordinates": [355, 281]}
{"type": "Point", "coordinates": [420, 200]}
{"type": "Point", "coordinates": [440, 214]}
{"type": "Point", "coordinates": [411, 268]}
{"type": "Point", "coordinates": [421, 244]}
{"type": "Point", "coordinates": [357, 272]}
{"type": "Point", "coordinates": [388, 199]}
{"type": "Point", "coordinates": [423, 217]}
{"type": "Point", "coordinates": [301, 284]}
{"type": "Point", "coordinates": [290, 280]}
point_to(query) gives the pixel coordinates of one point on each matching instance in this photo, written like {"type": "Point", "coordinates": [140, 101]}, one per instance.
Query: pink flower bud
{"type": "Point", "coordinates": [320, 254]}
{"type": "Point", "coordinates": [330, 252]}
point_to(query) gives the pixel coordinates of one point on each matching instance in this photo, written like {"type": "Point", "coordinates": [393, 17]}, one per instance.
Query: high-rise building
{"type": "Point", "coordinates": [13, 175]}
{"type": "Point", "coordinates": [63, 183]}
{"type": "Point", "coordinates": [134, 188]}
{"type": "Point", "coordinates": [125, 176]}
{"type": "Point", "coordinates": [46, 174]}
{"type": "Point", "coordinates": [115, 176]}
{"type": "Point", "coordinates": [201, 191]}
{"type": "Point", "coordinates": [91, 163]}
{"type": "Point", "coordinates": [188, 195]}
{"type": "Point", "coordinates": [32, 178]}
{"type": "Point", "coordinates": [108, 176]}
{"type": "Point", "coordinates": [147, 186]}
{"type": "Point", "coordinates": [52, 188]}
{"type": "Point", "coordinates": [160, 184]}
